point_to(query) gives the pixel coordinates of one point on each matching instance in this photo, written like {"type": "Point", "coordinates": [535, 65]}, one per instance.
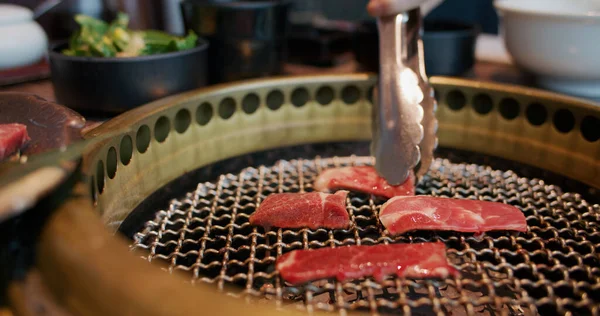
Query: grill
{"type": "Point", "coordinates": [554, 268]}
{"type": "Point", "coordinates": [180, 177]}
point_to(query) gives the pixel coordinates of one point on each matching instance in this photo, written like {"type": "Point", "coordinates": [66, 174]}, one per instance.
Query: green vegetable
{"type": "Point", "coordinates": [96, 38]}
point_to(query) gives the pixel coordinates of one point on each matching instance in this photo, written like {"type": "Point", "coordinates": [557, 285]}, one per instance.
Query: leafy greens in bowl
{"type": "Point", "coordinates": [96, 38]}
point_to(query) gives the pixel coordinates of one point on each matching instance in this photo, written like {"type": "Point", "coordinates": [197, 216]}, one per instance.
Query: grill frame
{"type": "Point", "coordinates": [515, 138]}
{"type": "Point", "coordinates": [165, 160]}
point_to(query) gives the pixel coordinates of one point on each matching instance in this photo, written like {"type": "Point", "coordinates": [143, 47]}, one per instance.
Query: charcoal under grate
{"type": "Point", "coordinates": [554, 268]}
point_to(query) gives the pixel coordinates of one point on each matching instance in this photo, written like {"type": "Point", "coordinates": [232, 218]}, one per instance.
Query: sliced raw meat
{"type": "Point", "coordinates": [296, 210]}
{"type": "Point", "coordinates": [12, 138]}
{"type": "Point", "coordinates": [407, 213]}
{"type": "Point", "coordinates": [423, 260]}
{"type": "Point", "coordinates": [362, 179]}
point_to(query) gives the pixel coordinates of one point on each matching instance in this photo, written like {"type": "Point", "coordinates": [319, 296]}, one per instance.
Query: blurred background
{"type": "Point", "coordinates": [165, 14]}
{"type": "Point", "coordinates": [253, 39]}
{"type": "Point", "coordinates": [320, 33]}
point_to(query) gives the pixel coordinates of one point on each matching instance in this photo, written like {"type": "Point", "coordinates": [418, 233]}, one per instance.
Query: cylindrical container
{"type": "Point", "coordinates": [59, 22]}
{"type": "Point", "coordinates": [164, 15]}
{"type": "Point", "coordinates": [22, 40]}
{"type": "Point", "coordinates": [247, 38]}
{"type": "Point", "coordinates": [449, 47]}
{"type": "Point", "coordinates": [113, 85]}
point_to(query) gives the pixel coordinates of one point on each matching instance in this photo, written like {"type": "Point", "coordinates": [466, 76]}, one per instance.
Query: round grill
{"type": "Point", "coordinates": [554, 268]}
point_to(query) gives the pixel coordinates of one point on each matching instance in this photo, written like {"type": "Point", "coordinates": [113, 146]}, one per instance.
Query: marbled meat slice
{"type": "Point", "coordinates": [407, 213]}
{"type": "Point", "coordinates": [422, 260]}
{"type": "Point", "coordinates": [363, 179]}
{"type": "Point", "coordinates": [12, 138]}
{"type": "Point", "coordinates": [297, 210]}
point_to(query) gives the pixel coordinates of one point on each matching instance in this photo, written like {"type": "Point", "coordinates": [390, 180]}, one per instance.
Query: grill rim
{"type": "Point", "coordinates": [52, 246]}
{"type": "Point", "coordinates": [492, 134]}
{"type": "Point", "coordinates": [146, 209]}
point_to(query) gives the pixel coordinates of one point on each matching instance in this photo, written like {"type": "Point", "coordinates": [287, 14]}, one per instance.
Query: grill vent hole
{"type": "Point", "coordinates": [111, 162]}
{"type": "Point", "coordinates": [509, 108]}
{"type": "Point", "coordinates": [564, 121]}
{"type": "Point", "coordinates": [226, 108]}
{"type": "Point", "coordinates": [483, 104]}
{"type": "Point", "coordinates": [182, 120]}
{"type": "Point", "coordinates": [204, 113]}
{"type": "Point", "coordinates": [536, 114]}
{"type": "Point", "coordinates": [142, 139]}
{"type": "Point", "coordinates": [590, 128]}
{"type": "Point", "coordinates": [300, 97]}
{"type": "Point", "coordinates": [93, 190]}
{"type": "Point", "coordinates": [325, 95]}
{"type": "Point", "coordinates": [275, 100]}
{"type": "Point", "coordinates": [250, 103]}
{"type": "Point", "coordinates": [350, 94]}
{"type": "Point", "coordinates": [126, 149]}
{"type": "Point", "coordinates": [161, 129]}
{"type": "Point", "coordinates": [100, 176]}
{"type": "Point", "coordinates": [371, 94]}
{"type": "Point", "coordinates": [456, 100]}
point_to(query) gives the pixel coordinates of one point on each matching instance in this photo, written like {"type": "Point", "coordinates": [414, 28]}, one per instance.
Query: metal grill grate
{"type": "Point", "coordinates": [554, 268]}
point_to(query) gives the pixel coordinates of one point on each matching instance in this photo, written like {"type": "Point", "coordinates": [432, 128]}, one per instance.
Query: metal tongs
{"type": "Point", "coordinates": [404, 123]}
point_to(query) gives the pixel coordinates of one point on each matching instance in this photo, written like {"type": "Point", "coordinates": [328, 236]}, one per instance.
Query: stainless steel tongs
{"type": "Point", "coordinates": [404, 124]}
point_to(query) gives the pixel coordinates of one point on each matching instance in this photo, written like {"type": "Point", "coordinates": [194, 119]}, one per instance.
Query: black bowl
{"type": "Point", "coordinates": [114, 85]}
{"type": "Point", "coordinates": [449, 47]}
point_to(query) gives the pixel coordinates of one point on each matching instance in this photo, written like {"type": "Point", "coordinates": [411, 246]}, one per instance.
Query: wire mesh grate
{"type": "Point", "coordinates": [554, 268]}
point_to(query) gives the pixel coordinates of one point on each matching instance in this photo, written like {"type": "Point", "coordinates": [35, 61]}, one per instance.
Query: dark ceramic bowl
{"type": "Point", "coordinates": [114, 85]}
{"type": "Point", "coordinates": [449, 47]}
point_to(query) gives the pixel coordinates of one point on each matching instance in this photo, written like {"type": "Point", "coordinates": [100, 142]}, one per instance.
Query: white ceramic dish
{"type": "Point", "coordinates": [22, 40]}
{"type": "Point", "coordinates": [556, 40]}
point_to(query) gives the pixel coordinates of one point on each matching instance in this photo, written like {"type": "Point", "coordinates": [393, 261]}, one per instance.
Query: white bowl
{"type": "Point", "coordinates": [556, 40]}
{"type": "Point", "coordinates": [22, 40]}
